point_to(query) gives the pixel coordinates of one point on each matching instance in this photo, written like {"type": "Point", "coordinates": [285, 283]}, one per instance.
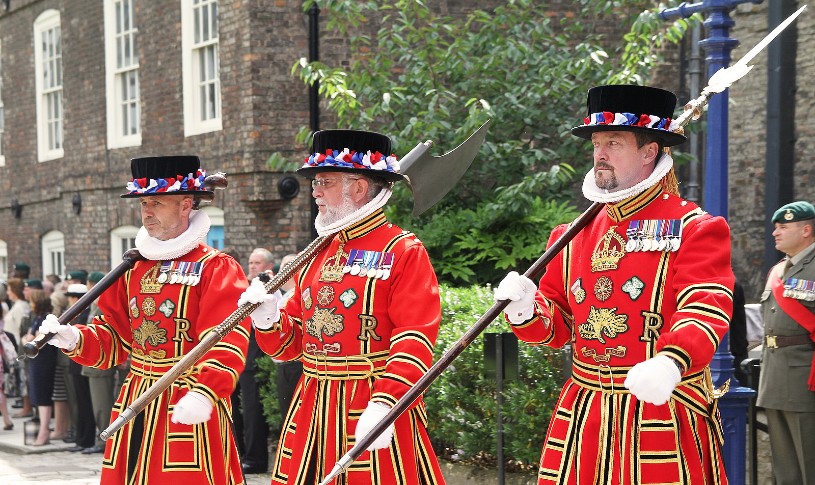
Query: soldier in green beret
{"type": "Point", "coordinates": [21, 270]}
{"type": "Point", "coordinates": [79, 276]}
{"type": "Point", "coordinates": [787, 384]}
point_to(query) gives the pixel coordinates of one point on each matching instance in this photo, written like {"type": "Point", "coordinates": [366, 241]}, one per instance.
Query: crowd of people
{"type": "Point", "coordinates": [51, 390]}
{"type": "Point", "coordinates": [643, 294]}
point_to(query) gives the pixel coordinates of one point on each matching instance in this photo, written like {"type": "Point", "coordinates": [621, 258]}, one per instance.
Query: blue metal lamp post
{"type": "Point", "coordinates": [718, 45]}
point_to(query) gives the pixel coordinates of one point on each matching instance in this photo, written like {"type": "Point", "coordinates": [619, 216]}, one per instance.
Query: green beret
{"type": "Point", "coordinates": [96, 276]}
{"type": "Point", "coordinates": [794, 211]}
{"type": "Point", "coordinates": [79, 275]}
{"type": "Point", "coordinates": [36, 284]}
{"type": "Point", "coordinates": [21, 266]}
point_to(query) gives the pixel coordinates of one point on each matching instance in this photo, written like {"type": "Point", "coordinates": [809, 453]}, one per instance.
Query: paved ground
{"type": "Point", "coordinates": [52, 464]}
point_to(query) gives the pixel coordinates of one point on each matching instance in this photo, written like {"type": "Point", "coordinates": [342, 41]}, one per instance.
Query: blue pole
{"type": "Point", "coordinates": [718, 45]}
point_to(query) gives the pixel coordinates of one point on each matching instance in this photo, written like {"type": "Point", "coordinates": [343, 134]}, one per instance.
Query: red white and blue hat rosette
{"type": "Point", "coordinates": [351, 151]}
{"type": "Point", "coordinates": [167, 175]}
{"type": "Point", "coordinates": [632, 108]}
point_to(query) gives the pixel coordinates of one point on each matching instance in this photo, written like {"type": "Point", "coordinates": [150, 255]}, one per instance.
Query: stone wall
{"type": "Point", "coordinates": [748, 144]}
{"type": "Point", "coordinates": [262, 109]}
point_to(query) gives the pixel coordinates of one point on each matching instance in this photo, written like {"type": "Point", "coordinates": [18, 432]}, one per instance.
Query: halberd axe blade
{"type": "Point", "coordinates": [431, 178]}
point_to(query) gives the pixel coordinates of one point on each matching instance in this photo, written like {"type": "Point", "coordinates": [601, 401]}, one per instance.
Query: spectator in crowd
{"type": "Point", "coordinates": [288, 371]}
{"type": "Point", "coordinates": [738, 335]}
{"type": "Point", "coordinates": [84, 421]}
{"type": "Point", "coordinates": [8, 356]}
{"type": "Point", "coordinates": [79, 276]}
{"type": "Point", "coordinates": [21, 271]}
{"type": "Point", "coordinates": [41, 371]}
{"type": "Point", "coordinates": [16, 321]}
{"type": "Point", "coordinates": [100, 381]}
{"type": "Point", "coordinates": [94, 278]}
{"type": "Point", "coordinates": [254, 428]}
{"type": "Point", "coordinates": [786, 388]}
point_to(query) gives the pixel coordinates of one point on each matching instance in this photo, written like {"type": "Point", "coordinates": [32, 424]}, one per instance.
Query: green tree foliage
{"type": "Point", "coordinates": [416, 75]}
{"type": "Point", "coordinates": [461, 403]}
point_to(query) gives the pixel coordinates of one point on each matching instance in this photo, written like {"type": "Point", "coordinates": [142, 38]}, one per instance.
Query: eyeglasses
{"type": "Point", "coordinates": [324, 183]}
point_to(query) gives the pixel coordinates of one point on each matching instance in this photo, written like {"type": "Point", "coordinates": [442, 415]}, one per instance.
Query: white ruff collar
{"type": "Point", "coordinates": [595, 194]}
{"type": "Point", "coordinates": [359, 214]}
{"type": "Point", "coordinates": [158, 250]}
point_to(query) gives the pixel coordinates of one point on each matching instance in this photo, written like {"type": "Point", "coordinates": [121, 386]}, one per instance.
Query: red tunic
{"type": "Point", "coordinates": [156, 324]}
{"type": "Point", "coordinates": [362, 336]}
{"type": "Point", "coordinates": [618, 307]}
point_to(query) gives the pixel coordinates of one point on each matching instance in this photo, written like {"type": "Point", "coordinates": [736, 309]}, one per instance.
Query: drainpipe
{"type": "Point", "coordinates": [779, 168]}
{"type": "Point", "coordinates": [313, 92]}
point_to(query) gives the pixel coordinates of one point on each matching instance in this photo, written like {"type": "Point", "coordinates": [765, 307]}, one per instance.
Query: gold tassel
{"type": "Point", "coordinates": [669, 182]}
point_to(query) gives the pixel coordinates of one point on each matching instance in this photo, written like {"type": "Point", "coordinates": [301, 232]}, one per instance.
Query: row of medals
{"type": "Point", "coordinates": [371, 264]}
{"type": "Point", "coordinates": [799, 289]}
{"type": "Point", "coordinates": [182, 272]}
{"type": "Point", "coordinates": [654, 235]}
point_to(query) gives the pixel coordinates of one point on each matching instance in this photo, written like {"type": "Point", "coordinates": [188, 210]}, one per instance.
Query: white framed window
{"type": "Point", "coordinates": [2, 115]}
{"type": "Point", "coordinates": [122, 74]}
{"type": "Point", "coordinates": [122, 238]}
{"type": "Point", "coordinates": [200, 66]}
{"type": "Point", "coordinates": [215, 236]}
{"type": "Point", "coordinates": [48, 75]}
{"type": "Point", "coordinates": [53, 253]}
{"type": "Point", "coordinates": [3, 260]}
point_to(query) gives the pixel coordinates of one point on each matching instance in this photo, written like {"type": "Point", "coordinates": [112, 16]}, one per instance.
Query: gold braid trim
{"type": "Point", "coordinates": [669, 182]}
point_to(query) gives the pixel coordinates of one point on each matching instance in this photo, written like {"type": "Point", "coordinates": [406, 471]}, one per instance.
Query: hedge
{"type": "Point", "coordinates": [461, 403]}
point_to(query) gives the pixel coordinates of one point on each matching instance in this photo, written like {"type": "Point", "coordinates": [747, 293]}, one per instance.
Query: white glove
{"type": "Point", "coordinates": [520, 291]}
{"type": "Point", "coordinates": [653, 380]}
{"type": "Point", "coordinates": [372, 415]}
{"type": "Point", "coordinates": [268, 313]}
{"type": "Point", "coordinates": [65, 336]}
{"type": "Point", "coordinates": [192, 408]}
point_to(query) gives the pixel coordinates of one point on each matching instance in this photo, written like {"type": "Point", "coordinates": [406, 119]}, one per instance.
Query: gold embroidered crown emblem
{"type": "Point", "coordinates": [608, 251]}
{"type": "Point", "coordinates": [333, 266]}
{"type": "Point", "coordinates": [149, 282]}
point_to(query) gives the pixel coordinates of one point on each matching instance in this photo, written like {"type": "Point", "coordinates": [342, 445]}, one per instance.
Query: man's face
{"type": "Point", "coordinates": [258, 264]}
{"type": "Point", "coordinates": [333, 198]}
{"type": "Point", "coordinates": [792, 237]}
{"type": "Point", "coordinates": [618, 163]}
{"type": "Point", "coordinates": [165, 217]}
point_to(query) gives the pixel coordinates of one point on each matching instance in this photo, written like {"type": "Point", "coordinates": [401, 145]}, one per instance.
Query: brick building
{"type": "Point", "coordinates": [89, 84]}
{"type": "Point", "coordinates": [117, 79]}
{"type": "Point", "coordinates": [753, 146]}
{"type": "Point", "coordinates": [62, 169]}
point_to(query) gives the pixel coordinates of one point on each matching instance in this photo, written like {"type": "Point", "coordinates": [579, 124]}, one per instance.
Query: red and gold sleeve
{"type": "Point", "coordinates": [703, 281]}
{"type": "Point", "coordinates": [552, 322]}
{"type": "Point", "coordinates": [284, 340]}
{"type": "Point", "coordinates": [106, 342]}
{"type": "Point", "coordinates": [217, 371]}
{"type": "Point", "coordinates": [414, 308]}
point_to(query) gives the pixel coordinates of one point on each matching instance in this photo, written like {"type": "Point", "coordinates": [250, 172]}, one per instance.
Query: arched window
{"type": "Point", "coordinates": [3, 260]}
{"type": "Point", "coordinates": [48, 76]}
{"type": "Point", "coordinates": [53, 254]}
{"type": "Point", "coordinates": [122, 238]}
{"type": "Point", "coordinates": [215, 237]}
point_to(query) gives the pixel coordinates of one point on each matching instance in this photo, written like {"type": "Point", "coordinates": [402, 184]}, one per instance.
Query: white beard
{"type": "Point", "coordinates": [334, 214]}
{"type": "Point", "coordinates": [350, 218]}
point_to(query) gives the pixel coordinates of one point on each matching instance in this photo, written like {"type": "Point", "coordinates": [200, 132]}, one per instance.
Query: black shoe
{"type": "Point", "coordinates": [249, 469]}
{"type": "Point", "coordinates": [93, 449]}
{"type": "Point", "coordinates": [17, 404]}
{"type": "Point", "coordinates": [76, 448]}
